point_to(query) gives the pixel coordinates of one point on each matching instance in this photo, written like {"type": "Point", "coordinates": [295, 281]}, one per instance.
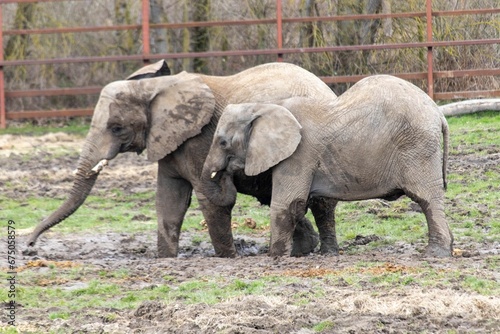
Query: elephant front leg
{"type": "Point", "coordinates": [173, 197]}
{"type": "Point", "coordinates": [323, 210]}
{"type": "Point", "coordinates": [218, 221]}
{"type": "Point", "coordinates": [283, 222]}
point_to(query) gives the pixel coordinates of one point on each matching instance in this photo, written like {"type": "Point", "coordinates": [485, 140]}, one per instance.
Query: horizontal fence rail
{"type": "Point", "coordinates": [279, 52]}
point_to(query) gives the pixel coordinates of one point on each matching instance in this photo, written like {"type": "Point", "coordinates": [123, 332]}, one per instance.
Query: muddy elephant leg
{"type": "Point", "coordinates": [431, 199]}
{"type": "Point", "coordinates": [219, 226]}
{"type": "Point", "coordinates": [305, 238]}
{"type": "Point", "coordinates": [283, 222]}
{"type": "Point", "coordinates": [173, 196]}
{"type": "Point", "coordinates": [323, 210]}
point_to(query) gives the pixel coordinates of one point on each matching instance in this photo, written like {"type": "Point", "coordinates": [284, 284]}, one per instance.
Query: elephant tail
{"type": "Point", "coordinates": [446, 139]}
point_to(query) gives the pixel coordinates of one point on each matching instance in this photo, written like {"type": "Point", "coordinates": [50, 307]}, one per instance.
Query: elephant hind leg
{"type": "Point", "coordinates": [305, 238]}
{"type": "Point", "coordinates": [323, 210]}
{"type": "Point", "coordinates": [430, 197]}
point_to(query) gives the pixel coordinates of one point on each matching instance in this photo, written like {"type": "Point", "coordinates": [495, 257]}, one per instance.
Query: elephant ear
{"type": "Point", "coordinates": [181, 107]}
{"type": "Point", "coordinates": [158, 69]}
{"type": "Point", "coordinates": [275, 135]}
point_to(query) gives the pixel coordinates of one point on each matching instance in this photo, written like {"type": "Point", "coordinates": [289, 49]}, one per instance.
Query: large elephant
{"type": "Point", "coordinates": [174, 117]}
{"type": "Point", "coordinates": [380, 139]}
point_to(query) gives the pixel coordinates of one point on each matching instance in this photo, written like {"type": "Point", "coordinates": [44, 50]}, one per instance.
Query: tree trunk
{"type": "Point", "coordinates": [369, 27]}
{"type": "Point", "coordinates": [17, 45]}
{"type": "Point", "coordinates": [126, 37]}
{"type": "Point", "coordinates": [158, 39]}
{"type": "Point", "coordinates": [200, 37]}
{"type": "Point", "coordinates": [186, 62]}
{"type": "Point", "coordinates": [306, 32]}
{"type": "Point", "coordinates": [470, 106]}
{"type": "Point", "coordinates": [387, 23]}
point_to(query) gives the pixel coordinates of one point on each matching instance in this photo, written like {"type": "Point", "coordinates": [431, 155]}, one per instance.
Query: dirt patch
{"type": "Point", "coordinates": [31, 164]}
{"type": "Point", "coordinates": [40, 166]}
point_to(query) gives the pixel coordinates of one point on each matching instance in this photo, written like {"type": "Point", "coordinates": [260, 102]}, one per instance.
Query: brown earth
{"type": "Point", "coordinates": [41, 166]}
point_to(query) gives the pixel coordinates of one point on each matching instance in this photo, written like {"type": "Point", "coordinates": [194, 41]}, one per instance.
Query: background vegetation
{"type": "Point", "coordinates": [317, 34]}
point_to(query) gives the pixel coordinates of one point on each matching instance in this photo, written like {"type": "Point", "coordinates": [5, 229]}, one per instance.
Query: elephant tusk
{"type": "Point", "coordinates": [213, 175]}
{"type": "Point", "coordinates": [74, 172]}
{"type": "Point", "coordinates": [97, 168]}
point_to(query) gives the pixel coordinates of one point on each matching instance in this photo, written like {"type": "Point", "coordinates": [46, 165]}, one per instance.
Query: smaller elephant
{"type": "Point", "coordinates": [380, 139]}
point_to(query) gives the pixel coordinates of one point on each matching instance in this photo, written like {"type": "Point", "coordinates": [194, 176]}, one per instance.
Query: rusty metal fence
{"type": "Point", "coordinates": [279, 52]}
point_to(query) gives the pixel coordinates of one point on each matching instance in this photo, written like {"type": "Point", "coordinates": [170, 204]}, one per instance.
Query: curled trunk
{"type": "Point", "coordinates": [219, 189]}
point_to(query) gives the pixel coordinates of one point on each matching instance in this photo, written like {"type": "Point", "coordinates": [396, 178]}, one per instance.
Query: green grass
{"type": "Point", "coordinates": [9, 330]}
{"type": "Point", "coordinates": [52, 288]}
{"type": "Point", "coordinates": [323, 326]}
{"type": "Point", "coordinates": [475, 132]}
{"type": "Point", "coordinates": [116, 214]}
{"type": "Point", "coordinates": [95, 214]}
{"type": "Point", "coordinates": [77, 126]}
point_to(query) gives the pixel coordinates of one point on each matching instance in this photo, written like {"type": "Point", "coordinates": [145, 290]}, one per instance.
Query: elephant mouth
{"type": "Point", "coordinates": [130, 147]}
{"type": "Point", "coordinates": [216, 175]}
{"type": "Point", "coordinates": [232, 165]}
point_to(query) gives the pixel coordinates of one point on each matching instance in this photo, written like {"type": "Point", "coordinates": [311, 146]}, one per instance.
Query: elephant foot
{"type": "Point", "coordinates": [329, 251]}
{"type": "Point", "coordinates": [329, 246]}
{"type": "Point", "coordinates": [225, 250]}
{"type": "Point", "coordinates": [229, 253]}
{"type": "Point", "coordinates": [436, 250]}
{"type": "Point", "coordinates": [305, 239]}
{"type": "Point", "coordinates": [165, 251]}
{"type": "Point", "coordinates": [279, 248]}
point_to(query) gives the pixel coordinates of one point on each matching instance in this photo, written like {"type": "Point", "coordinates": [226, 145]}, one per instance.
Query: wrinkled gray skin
{"type": "Point", "coordinates": [175, 117]}
{"type": "Point", "coordinates": [380, 139]}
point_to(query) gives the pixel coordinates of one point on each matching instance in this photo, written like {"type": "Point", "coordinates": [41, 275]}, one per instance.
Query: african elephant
{"type": "Point", "coordinates": [174, 118]}
{"type": "Point", "coordinates": [380, 139]}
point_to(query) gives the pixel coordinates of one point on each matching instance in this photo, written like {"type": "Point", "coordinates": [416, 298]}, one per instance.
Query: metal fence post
{"type": "Point", "coordinates": [146, 50]}
{"type": "Point", "coordinates": [279, 33]}
{"type": "Point", "coordinates": [2, 86]}
{"type": "Point", "coordinates": [430, 75]}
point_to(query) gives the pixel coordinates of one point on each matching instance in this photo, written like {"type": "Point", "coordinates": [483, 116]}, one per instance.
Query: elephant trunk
{"type": "Point", "coordinates": [219, 187]}
{"type": "Point", "coordinates": [85, 178]}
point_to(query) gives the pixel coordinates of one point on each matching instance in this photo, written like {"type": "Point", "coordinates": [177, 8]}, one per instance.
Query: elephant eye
{"type": "Point", "coordinates": [116, 130]}
{"type": "Point", "coordinates": [223, 143]}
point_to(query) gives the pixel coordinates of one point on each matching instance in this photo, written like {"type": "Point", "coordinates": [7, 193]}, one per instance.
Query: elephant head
{"type": "Point", "coordinates": [252, 137]}
{"type": "Point", "coordinates": [157, 112]}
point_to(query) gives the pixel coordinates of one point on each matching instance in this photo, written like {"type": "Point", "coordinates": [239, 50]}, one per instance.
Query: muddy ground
{"type": "Point", "coordinates": [41, 166]}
